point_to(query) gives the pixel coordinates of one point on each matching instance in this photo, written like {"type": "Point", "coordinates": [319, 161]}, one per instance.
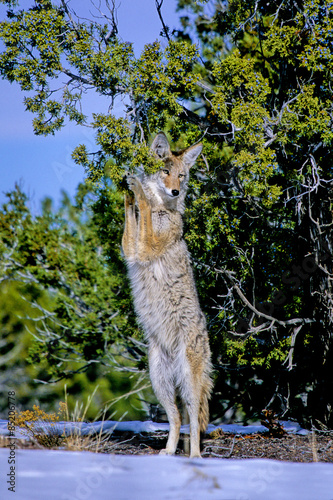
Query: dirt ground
{"type": "Point", "coordinates": [314, 447]}
{"type": "Point", "coordinates": [293, 448]}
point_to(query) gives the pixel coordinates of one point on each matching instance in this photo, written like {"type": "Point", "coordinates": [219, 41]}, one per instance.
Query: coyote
{"type": "Point", "coordinates": [164, 292]}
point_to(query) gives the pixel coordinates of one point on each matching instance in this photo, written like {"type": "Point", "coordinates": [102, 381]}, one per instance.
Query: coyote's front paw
{"type": "Point", "coordinates": [135, 185]}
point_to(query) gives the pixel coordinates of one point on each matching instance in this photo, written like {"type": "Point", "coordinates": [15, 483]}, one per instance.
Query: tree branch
{"type": "Point", "coordinates": [293, 321]}
{"type": "Point", "coordinates": [159, 4]}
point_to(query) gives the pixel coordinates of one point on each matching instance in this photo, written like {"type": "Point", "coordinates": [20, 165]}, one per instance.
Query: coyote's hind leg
{"type": "Point", "coordinates": [162, 381]}
{"type": "Point", "coordinates": [191, 389]}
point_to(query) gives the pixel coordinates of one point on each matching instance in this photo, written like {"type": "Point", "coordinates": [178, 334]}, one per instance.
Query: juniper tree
{"type": "Point", "coordinates": [252, 80]}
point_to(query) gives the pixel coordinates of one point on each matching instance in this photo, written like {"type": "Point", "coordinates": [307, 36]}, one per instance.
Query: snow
{"type": "Point", "coordinates": [66, 475]}
{"type": "Point", "coordinates": [109, 426]}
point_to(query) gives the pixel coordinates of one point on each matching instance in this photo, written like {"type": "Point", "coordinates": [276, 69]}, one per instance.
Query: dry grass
{"type": "Point", "coordinates": [43, 429]}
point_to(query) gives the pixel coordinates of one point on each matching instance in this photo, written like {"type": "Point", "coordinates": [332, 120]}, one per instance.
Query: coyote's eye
{"type": "Point", "coordinates": [181, 176]}
{"type": "Point", "coordinates": [166, 171]}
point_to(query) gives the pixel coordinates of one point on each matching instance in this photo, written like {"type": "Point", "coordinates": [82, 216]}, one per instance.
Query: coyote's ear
{"type": "Point", "coordinates": [160, 146]}
{"type": "Point", "coordinates": [191, 154]}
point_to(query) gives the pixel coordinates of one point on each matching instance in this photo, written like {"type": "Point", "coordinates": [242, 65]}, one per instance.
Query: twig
{"type": "Point", "coordinates": [66, 9]}
{"type": "Point", "coordinates": [314, 446]}
{"type": "Point", "coordinates": [159, 4]}
{"type": "Point", "coordinates": [228, 455]}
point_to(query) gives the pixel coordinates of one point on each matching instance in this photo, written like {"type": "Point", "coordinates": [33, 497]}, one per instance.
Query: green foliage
{"type": "Point", "coordinates": [65, 302]}
{"type": "Point", "coordinates": [250, 79]}
{"type": "Point", "coordinates": [270, 102]}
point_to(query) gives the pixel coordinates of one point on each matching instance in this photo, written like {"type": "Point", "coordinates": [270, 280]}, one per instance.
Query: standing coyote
{"type": "Point", "coordinates": [164, 292]}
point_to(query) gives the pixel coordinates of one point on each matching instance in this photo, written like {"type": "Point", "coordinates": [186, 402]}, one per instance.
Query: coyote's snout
{"type": "Point", "coordinates": [164, 291]}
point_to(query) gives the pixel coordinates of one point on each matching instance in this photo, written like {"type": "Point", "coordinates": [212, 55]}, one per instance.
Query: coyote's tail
{"type": "Point", "coordinates": [207, 386]}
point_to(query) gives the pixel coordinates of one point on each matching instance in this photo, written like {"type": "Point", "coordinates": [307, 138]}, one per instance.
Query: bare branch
{"type": "Point", "coordinates": [289, 358]}
{"type": "Point", "coordinates": [293, 321]}
{"type": "Point", "coordinates": [165, 30]}
{"type": "Point", "coordinates": [69, 14]}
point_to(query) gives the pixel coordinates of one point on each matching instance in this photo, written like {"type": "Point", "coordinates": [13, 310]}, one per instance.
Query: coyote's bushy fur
{"type": "Point", "coordinates": [164, 292]}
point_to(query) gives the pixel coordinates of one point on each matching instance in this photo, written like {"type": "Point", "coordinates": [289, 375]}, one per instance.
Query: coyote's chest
{"type": "Point", "coordinates": [168, 223]}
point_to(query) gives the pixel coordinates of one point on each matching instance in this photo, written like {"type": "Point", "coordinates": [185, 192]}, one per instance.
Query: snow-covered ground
{"type": "Point", "coordinates": [65, 475]}
{"type": "Point", "coordinates": [137, 426]}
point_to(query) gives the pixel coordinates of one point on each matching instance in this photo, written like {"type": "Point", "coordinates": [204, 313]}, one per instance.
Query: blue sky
{"type": "Point", "coordinates": [43, 165]}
